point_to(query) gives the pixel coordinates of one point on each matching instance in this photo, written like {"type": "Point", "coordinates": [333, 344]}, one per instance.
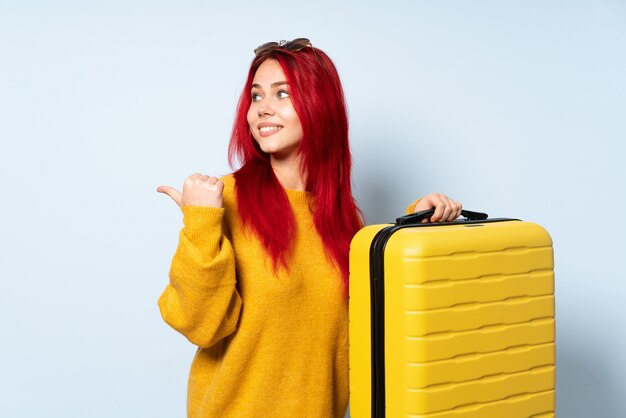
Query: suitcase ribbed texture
{"type": "Point", "coordinates": [469, 322]}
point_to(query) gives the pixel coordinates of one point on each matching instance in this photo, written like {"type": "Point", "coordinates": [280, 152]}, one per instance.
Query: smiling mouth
{"type": "Point", "coordinates": [267, 129]}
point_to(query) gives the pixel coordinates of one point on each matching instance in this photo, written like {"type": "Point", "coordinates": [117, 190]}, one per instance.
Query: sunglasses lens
{"type": "Point", "coordinates": [297, 44]}
{"type": "Point", "coordinates": [265, 47]}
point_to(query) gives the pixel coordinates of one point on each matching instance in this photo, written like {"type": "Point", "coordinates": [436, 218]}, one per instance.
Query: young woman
{"type": "Point", "coordinates": [260, 276]}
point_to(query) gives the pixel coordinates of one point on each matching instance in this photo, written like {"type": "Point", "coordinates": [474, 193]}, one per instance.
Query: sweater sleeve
{"type": "Point", "coordinates": [411, 207]}
{"type": "Point", "coordinates": [201, 300]}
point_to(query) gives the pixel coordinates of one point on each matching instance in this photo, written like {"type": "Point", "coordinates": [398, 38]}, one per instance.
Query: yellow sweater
{"type": "Point", "coordinates": [268, 346]}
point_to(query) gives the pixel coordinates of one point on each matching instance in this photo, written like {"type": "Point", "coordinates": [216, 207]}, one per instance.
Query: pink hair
{"type": "Point", "coordinates": [317, 97]}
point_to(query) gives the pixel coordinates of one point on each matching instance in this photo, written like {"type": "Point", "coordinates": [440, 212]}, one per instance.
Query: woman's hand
{"type": "Point", "coordinates": [198, 190]}
{"type": "Point", "coordinates": [446, 209]}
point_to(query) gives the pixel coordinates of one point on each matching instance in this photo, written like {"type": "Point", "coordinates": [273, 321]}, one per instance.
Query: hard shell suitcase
{"type": "Point", "coordinates": [452, 320]}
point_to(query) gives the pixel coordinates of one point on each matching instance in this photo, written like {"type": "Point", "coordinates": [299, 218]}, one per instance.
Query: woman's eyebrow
{"type": "Point", "coordinates": [276, 84]}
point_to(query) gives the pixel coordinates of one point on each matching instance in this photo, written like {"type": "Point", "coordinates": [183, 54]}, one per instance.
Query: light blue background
{"type": "Point", "coordinates": [514, 108]}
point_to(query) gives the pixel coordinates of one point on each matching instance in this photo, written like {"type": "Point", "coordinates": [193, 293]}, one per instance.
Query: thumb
{"type": "Point", "coordinates": [171, 192]}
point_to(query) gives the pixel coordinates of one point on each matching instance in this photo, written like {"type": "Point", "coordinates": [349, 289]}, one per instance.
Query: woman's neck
{"type": "Point", "coordinates": [287, 171]}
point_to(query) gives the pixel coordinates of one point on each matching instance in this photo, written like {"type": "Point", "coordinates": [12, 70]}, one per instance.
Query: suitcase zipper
{"type": "Point", "coordinates": [377, 300]}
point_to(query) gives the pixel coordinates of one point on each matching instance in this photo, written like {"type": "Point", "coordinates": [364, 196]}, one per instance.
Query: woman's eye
{"type": "Point", "coordinates": [255, 97]}
{"type": "Point", "coordinates": [282, 94]}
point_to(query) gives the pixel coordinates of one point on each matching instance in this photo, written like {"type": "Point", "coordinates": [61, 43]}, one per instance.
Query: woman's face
{"type": "Point", "coordinates": [272, 119]}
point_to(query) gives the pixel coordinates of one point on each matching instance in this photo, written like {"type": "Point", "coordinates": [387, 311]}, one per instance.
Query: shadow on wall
{"type": "Point", "coordinates": [584, 385]}
{"type": "Point", "coordinates": [383, 184]}
{"type": "Point", "coordinates": [375, 200]}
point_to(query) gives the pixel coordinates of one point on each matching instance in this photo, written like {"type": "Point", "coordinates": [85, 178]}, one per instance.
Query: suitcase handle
{"type": "Point", "coordinates": [417, 217]}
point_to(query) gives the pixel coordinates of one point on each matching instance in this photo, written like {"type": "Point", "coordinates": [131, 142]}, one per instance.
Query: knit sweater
{"type": "Point", "coordinates": [269, 345]}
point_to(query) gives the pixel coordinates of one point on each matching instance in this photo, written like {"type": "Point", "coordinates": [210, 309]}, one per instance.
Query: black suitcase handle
{"type": "Point", "coordinates": [417, 217]}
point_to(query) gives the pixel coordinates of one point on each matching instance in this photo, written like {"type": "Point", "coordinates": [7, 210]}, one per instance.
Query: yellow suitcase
{"type": "Point", "coordinates": [452, 320]}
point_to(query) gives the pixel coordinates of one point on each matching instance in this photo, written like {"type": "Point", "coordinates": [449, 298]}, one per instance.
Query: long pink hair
{"type": "Point", "coordinates": [317, 97]}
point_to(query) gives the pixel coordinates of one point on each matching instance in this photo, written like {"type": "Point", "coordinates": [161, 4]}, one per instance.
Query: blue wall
{"type": "Point", "coordinates": [513, 108]}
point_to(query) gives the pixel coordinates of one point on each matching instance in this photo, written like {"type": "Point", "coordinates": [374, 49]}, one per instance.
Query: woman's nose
{"type": "Point", "coordinates": [265, 108]}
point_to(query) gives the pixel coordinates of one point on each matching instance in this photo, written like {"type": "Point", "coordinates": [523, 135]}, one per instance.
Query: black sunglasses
{"type": "Point", "coordinates": [295, 45]}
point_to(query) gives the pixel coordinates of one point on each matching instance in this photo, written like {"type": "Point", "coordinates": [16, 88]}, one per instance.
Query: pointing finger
{"type": "Point", "coordinates": [171, 192]}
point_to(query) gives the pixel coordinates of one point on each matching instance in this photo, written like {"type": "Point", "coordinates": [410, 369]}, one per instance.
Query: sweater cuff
{"type": "Point", "coordinates": [411, 207]}
{"type": "Point", "coordinates": [203, 224]}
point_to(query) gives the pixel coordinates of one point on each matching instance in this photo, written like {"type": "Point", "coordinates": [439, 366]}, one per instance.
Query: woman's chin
{"type": "Point", "coordinates": [277, 152]}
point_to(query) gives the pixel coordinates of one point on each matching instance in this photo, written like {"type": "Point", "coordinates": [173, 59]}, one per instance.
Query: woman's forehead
{"type": "Point", "coordinates": [268, 72]}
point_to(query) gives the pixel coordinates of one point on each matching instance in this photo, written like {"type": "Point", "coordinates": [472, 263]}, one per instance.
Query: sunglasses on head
{"type": "Point", "coordinates": [295, 45]}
